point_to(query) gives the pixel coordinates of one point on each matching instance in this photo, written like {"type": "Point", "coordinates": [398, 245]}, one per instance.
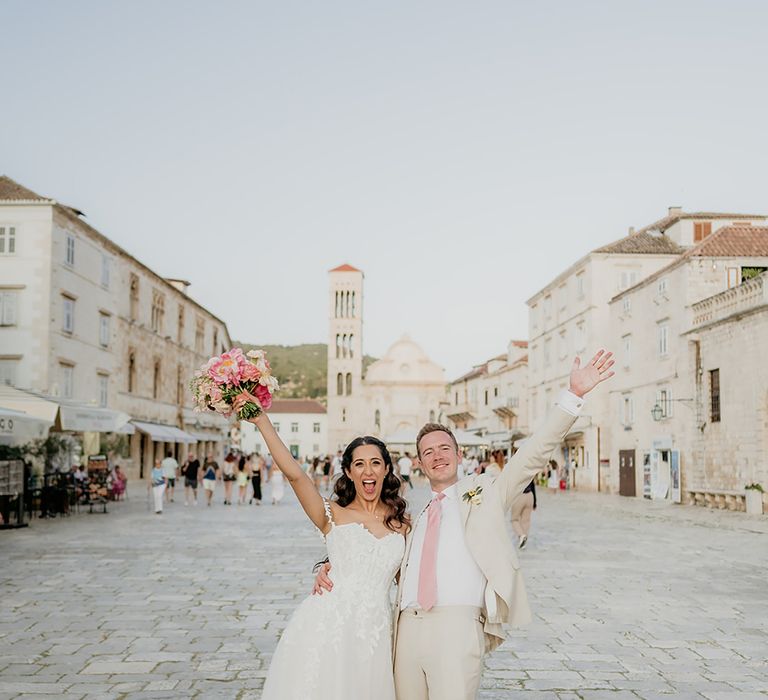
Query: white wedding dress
{"type": "Point", "coordinates": [338, 646]}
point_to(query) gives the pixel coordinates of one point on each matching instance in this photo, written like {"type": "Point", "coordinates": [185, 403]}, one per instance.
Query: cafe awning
{"type": "Point", "coordinates": [17, 427]}
{"type": "Point", "coordinates": [83, 418]}
{"type": "Point", "coordinates": [64, 414]}
{"type": "Point", "coordinates": [163, 433]}
{"type": "Point", "coordinates": [468, 439]}
{"type": "Point", "coordinates": [206, 437]}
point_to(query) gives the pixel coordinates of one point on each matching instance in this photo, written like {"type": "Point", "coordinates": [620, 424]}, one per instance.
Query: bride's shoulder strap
{"type": "Point", "coordinates": [327, 506]}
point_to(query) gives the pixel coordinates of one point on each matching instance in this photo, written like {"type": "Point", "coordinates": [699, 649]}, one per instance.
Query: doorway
{"type": "Point", "coordinates": [627, 473]}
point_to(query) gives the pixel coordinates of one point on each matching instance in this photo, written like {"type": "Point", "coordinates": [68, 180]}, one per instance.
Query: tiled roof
{"type": "Point", "coordinates": [642, 242]}
{"type": "Point", "coordinates": [649, 239]}
{"type": "Point", "coordinates": [296, 406]}
{"type": "Point", "coordinates": [345, 268]}
{"type": "Point", "coordinates": [475, 372]}
{"type": "Point", "coordinates": [734, 241]}
{"type": "Point", "coordinates": [520, 343]}
{"type": "Point", "coordinates": [726, 242]}
{"type": "Point", "coordinates": [10, 190]}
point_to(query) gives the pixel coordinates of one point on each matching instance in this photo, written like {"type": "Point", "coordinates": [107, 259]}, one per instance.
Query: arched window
{"type": "Point", "coordinates": [339, 384]}
{"type": "Point", "coordinates": [336, 308]}
{"type": "Point", "coordinates": [346, 306]}
{"type": "Point", "coordinates": [353, 305]}
{"type": "Point", "coordinates": [351, 350]}
{"type": "Point", "coordinates": [431, 416]}
{"type": "Point", "coordinates": [377, 418]}
{"type": "Point", "coordinates": [344, 346]}
{"type": "Point", "coordinates": [343, 415]}
{"type": "Point", "coordinates": [338, 346]}
{"type": "Point", "coordinates": [349, 383]}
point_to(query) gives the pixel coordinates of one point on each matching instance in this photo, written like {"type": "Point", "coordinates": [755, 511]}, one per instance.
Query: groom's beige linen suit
{"type": "Point", "coordinates": [433, 657]}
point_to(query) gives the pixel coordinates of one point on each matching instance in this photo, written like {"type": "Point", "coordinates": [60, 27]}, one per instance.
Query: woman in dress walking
{"type": "Point", "coordinates": [338, 646]}
{"type": "Point", "coordinates": [243, 476]}
{"type": "Point", "coordinates": [278, 486]}
{"type": "Point", "coordinates": [257, 467]}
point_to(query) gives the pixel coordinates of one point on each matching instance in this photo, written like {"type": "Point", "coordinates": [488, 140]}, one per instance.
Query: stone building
{"type": "Point", "coordinates": [302, 424]}
{"type": "Point", "coordinates": [654, 424]}
{"type": "Point", "coordinates": [491, 399]}
{"type": "Point", "coordinates": [92, 334]}
{"type": "Point", "coordinates": [401, 391]}
{"type": "Point", "coordinates": [571, 316]}
{"type": "Point", "coordinates": [729, 332]}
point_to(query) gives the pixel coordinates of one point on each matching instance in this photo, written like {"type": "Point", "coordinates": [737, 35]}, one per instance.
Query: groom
{"type": "Point", "coordinates": [460, 579]}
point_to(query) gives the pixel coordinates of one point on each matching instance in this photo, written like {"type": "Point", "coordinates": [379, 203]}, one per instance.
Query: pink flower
{"type": "Point", "coordinates": [226, 370]}
{"type": "Point", "coordinates": [264, 396]}
{"type": "Point", "coordinates": [249, 372]}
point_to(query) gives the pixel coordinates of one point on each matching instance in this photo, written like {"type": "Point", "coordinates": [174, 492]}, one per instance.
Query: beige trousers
{"type": "Point", "coordinates": [522, 507]}
{"type": "Point", "coordinates": [439, 654]}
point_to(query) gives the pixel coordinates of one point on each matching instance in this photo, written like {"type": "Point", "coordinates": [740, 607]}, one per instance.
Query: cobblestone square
{"type": "Point", "coordinates": [630, 599]}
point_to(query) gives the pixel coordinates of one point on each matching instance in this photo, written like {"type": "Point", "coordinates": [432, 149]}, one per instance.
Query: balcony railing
{"type": "Point", "coordinates": [748, 295]}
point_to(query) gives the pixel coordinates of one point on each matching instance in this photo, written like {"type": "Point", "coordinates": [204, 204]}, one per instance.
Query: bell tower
{"type": "Point", "coordinates": [345, 354]}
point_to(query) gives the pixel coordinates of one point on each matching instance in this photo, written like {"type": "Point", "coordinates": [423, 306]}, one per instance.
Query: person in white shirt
{"type": "Point", "coordinates": [336, 465]}
{"type": "Point", "coordinates": [460, 580]}
{"type": "Point", "coordinates": [404, 466]}
{"type": "Point", "coordinates": [169, 466]}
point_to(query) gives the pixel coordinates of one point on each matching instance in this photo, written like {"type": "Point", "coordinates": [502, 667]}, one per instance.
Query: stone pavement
{"type": "Point", "coordinates": [631, 600]}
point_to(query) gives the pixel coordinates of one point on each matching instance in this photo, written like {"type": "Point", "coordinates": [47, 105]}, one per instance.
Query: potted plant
{"type": "Point", "coordinates": [754, 499]}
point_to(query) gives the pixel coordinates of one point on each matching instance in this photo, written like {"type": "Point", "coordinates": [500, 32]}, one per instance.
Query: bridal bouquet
{"type": "Point", "coordinates": [235, 383]}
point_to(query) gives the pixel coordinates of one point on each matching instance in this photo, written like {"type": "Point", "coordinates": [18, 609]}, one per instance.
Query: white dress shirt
{"type": "Point", "coordinates": [459, 579]}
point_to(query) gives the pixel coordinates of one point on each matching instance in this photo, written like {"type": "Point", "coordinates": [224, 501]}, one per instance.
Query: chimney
{"type": "Point", "coordinates": [631, 230]}
{"type": "Point", "coordinates": [675, 211]}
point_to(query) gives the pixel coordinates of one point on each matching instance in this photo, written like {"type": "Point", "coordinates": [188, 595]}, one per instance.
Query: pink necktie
{"type": "Point", "coordinates": [427, 594]}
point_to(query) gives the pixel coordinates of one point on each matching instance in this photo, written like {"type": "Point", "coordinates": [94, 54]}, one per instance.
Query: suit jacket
{"type": "Point", "coordinates": [485, 528]}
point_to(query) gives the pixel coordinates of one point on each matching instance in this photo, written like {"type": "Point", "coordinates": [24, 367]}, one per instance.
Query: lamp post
{"type": "Point", "coordinates": [658, 413]}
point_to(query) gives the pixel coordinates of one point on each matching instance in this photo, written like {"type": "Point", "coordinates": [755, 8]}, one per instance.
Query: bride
{"type": "Point", "coordinates": [339, 646]}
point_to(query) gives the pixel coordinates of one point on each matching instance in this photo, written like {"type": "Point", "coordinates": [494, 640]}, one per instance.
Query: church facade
{"type": "Point", "coordinates": [398, 393]}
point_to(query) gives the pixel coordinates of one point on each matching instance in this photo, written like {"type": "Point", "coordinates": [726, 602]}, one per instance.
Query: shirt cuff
{"type": "Point", "coordinates": [569, 402]}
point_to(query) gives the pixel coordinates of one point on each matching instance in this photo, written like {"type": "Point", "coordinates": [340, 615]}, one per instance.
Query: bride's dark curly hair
{"type": "Point", "coordinates": [345, 491]}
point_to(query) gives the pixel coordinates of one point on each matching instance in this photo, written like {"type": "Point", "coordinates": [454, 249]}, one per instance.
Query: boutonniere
{"type": "Point", "coordinates": [474, 496]}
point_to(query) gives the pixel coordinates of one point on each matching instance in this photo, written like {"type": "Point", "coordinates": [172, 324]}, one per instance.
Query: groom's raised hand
{"type": "Point", "coordinates": [584, 379]}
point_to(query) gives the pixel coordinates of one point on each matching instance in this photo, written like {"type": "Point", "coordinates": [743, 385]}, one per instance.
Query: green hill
{"type": "Point", "coordinates": [300, 369]}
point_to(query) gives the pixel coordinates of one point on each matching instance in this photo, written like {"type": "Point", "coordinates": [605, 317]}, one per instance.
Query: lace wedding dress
{"type": "Point", "coordinates": [338, 646]}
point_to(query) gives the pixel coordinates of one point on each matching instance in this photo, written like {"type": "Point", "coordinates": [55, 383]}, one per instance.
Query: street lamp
{"type": "Point", "coordinates": [657, 412]}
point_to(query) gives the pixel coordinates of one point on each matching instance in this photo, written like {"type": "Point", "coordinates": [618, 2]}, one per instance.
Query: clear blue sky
{"type": "Point", "coordinates": [461, 154]}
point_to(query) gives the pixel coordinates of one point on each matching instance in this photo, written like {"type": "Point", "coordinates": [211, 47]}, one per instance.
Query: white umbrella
{"type": "Point", "coordinates": [467, 439]}
{"type": "Point", "coordinates": [17, 427]}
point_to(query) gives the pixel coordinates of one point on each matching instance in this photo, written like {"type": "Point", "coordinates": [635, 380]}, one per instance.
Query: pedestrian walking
{"type": "Point", "coordinates": [191, 471]}
{"type": "Point", "coordinates": [278, 486]}
{"type": "Point", "coordinates": [228, 476]}
{"type": "Point", "coordinates": [552, 479]}
{"type": "Point", "coordinates": [522, 509]}
{"type": "Point", "coordinates": [243, 474]}
{"type": "Point", "coordinates": [404, 465]}
{"type": "Point", "coordinates": [326, 471]}
{"type": "Point", "coordinates": [256, 471]}
{"type": "Point", "coordinates": [210, 477]}
{"type": "Point", "coordinates": [170, 468]}
{"type": "Point", "coordinates": [316, 472]}
{"type": "Point", "coordinates": [336, 467]}
{"type": "Point", "coordinates": [157, 483]}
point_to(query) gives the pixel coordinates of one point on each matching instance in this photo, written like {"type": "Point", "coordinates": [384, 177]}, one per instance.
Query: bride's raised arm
{"type": "Point", "coordinates": [302, 485]}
